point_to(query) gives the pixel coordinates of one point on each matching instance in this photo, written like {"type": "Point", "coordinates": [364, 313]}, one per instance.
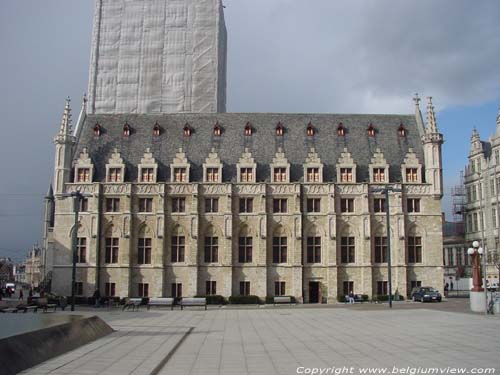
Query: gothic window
{"type": "Point", "coordinates": [126, 130]}
{"type": "Point", "coordinates": [378, 174]}
{"type": "Point", "coordinates": [187, 131]}
{"type": "Point", "coordinates": [347, 205]}
{"type": "Point", "coordinates": [347, 250]}
{"type": "Point", "coordinates": [245, 249]}
{"type": "Point", "coordinates": [211, 205]}
{"type": "Point", "coordinates": [112, 204]}
{"type": "Point", "coordinates": [81, 250]}
{"type": "Point", "coordinates": [211, 249]}
{"type": "Point", "coordinates": [246, 205]}
{"type": "Point", "coordinates": [145, 204]}
{"type": "Point", "coordinates": [110, 289]}
{"type": "Point", "coordinates": [279, 249]}
{"type": "Point", "coordinates": [380, 244]}
{"type": "Point", "coordinates": [115, 175]}
{"type": "Point", "coordinates": [378, 205]}
{"type": "Point", "coordinates": [156, 130]}
{"type": "Point", "coordinates": [179, 205]}
{"type": "Point", "coordinates": [210, 287]}
{"type": "Point", "coordinates": [111, 251]}
{"type": "Point", "coordinates": [313, 249]}
{"type": "Point", "coordinates": [280, 205]}
{"type": "Point", "coordinates": [144, 251]}
{"type": "Point", "coordinates": [401, 131]}
{"type": "Point", "coordinates": [310, 130]}
{"type": "Point", "coordinates": [280, 130]}
{"type": "Point", "coordinates": [180, 175]}
{"type": "Point", "coordinates": [346, 175]}
{"type": "Point", "coordinates": [313, 205]}
{"type": "Point", "coordinates": [248, 129]}
{"type": "Point", "coordinates": [244, 288]}
{"type": "Point", "coordinates": [371, 130]}
{"type": "Point", "coordinates": [341, 130]}
{"type": "Point", "coordinates": [415, 249]}
{"type": "Point", "coordinates": [313, 175]}
{"type": "Point", "coordinates": [83, 175]}
{"type": "Point", "coordinates": [178, 249]}
{"type": "Point", "coordinates": [279, 288]}
{"type": "Point", "coordinates": [143, 289]}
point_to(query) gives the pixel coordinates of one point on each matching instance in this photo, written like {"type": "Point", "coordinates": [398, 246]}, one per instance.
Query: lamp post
{"type": "Point", "coordinates": [477, 296]}
{"type": "Point", "coordinates": [386, 191]}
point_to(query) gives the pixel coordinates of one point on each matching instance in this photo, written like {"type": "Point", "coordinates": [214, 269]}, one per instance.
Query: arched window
{"type": "Point", "coordinates": [156, 130]}
{"type": "Point", "coordinates": [126, 130]}
{"type": "Point", "coordinates": [371, 130]}
{"type": "Point", "coordinates": [310, 130]}
{"type": "Point", "coordinates": [402, 131]}
{"type": "Point", "coordinates": [280, 130]}
{"type": "Point", "coordinates": [187, 130]}
{"type": "Point", "coordinates": [341, 130]}
{"type": "Point", "coordinates": [97, 130]}
{"type": "Point", "coordinates": [217, 130]}
{"type": "Point", "coordinates": [248, 129]}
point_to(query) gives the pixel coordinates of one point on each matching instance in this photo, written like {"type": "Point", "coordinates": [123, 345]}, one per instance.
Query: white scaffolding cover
{"type": "Point", "coordinates": [158, 56]}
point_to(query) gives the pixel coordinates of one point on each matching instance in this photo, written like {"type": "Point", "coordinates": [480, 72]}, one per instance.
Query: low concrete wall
{"type": "Point", "coordinates": [20, 352]}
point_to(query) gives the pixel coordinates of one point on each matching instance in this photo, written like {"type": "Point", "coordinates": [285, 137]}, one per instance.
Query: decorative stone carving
{"type": "Point", "coordinates": [349, 189]}
{"type": "Point", "coordinates": [281, 162]}
{"type": "Point", "coordinates": [312, 165]}
{"type": "Point", "coordinates": [145, 189]}
{"type": "Point", "coordinates": [332, 224]}
{"type": "Point", "coordinates": [180, 161]}
{"type": "Point", "coordinates": [147, 164]}
{"type": "Point", "coordinates": [322, 189]}
{"type": "Point", "coordinates": [344, 164]}
{"type": "Point", "coordinates": [418, 189]}
{"type": "Point", "coordinates": [283, 189]}
{"type": "Point", "coordinates": [84, 162]}
{"type": "Point", "coordinates": [378, 162]}
{"type": "Point", "coordinates": [116, 189]}
{"type": "Point", "coordinates": [263, 226]}
{"type": "Point", "coordinates": [253, 189]}
{"type": "Point", "coordinates": [298, 227]}
{"type": "Point", "coordinates": [218, 189]}
{"type": "Point", "coordinates": [82, 188]}
{"type": "Point", "coordinates": [115, 169]}
{"type": "Point", "coordinates": [246, 161]}
{"type": "Point", "coordinates": [194, 227]}
{"type": "Point", "coordinates": [180, 189]}
{"type": "Point", "coordinates": [160, 226]}
{"type": "Point", "coordinates": [228, 226]}
{"type": "Point", "coordinates": [411, 162]}
{"type": "Point", "coordinates": [212, 162]}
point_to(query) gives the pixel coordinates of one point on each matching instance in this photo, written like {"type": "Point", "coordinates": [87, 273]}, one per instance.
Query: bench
{"type": "Point", "coordinates": [26, 308]}
{"type": "Point", "coordinates": [357, 298]}
{"type": "Point", "coordinates": [193, 302]}
{"type": "Point", "coordinates": [133, 303]}
{"type": "Point", "coordinates": [282, 300]}
{"type": "Point", "coordinates": [161, 302]}
{"type": "Point", "coordinates": [45, 305]}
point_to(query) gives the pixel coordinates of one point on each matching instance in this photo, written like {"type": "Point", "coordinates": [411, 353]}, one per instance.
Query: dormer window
{"type": "Point", "coordinates": [147, 175]}
{"type": "Point", "coordinates": [346, 175]}
{"type": "Point", "coordinates": [217, 130]}
{"type": "Point", "coordinates": [83, 175]}
{"type": "Point", "coordinates": [246, 174]}
{"type": "Point", "coordinates": [341, 130]}
{"type": "Point", "coordinates": [187, 131]}
{"type": "Point", "coordinates": [180, 175]}
{"type": "Point", "coordinates": [378, 174]}
{"type": "Point", "coordinates": [280, 130]}
{"type": "Point", "coordinates": [313, 175]}
{"type": "Point", "coordinates": [156, 130]}
{"type": "Point", "coordinates": [114, 175]}
{"type": "Point", "coordinates": [310, 130]}
{"type": "Point", "coordinates": [126, 130]}
{"type": "Point", "coordinates": [279, 174]}
{"type": "Point", "coordinates": [371, 130]}
{"type": "Point", "coordinates": [411, 174]}
{"type": "Point", "coordinates": [248, 129]}
{"type": "Point", "coordinates": [97, 130]}
{"type": "Point", "coordinates": [402, 131]}
{"type": "Point", "coordinates": [212, 174]}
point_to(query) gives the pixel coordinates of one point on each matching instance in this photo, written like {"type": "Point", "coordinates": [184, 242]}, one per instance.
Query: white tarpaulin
{"type": "Point", "coordinates": [158, 56]}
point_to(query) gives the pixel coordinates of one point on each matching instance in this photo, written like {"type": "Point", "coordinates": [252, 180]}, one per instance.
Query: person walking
{"type": "Point", "coordinates": [21, 295]}
{"type": "Point", "coordinates": [97, 297]}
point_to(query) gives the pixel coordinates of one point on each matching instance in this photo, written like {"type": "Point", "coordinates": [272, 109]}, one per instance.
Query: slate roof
{"type": "Point", "coordinates": [263, 144]}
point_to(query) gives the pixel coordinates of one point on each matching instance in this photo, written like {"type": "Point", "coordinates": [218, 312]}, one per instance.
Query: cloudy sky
{"type": "Point", "coordinates": [366, 56]}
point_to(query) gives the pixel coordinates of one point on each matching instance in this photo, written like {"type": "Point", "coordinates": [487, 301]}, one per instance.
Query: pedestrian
{"type": "Point", "coordinates": [351, 297]}
{"type": "Point", "coordinates": [451, 286]}
{"type": "Point", "coordinates": [30, 296]}
{"type": "Point", "coordinates": [21, 295]}
{"type": "Point", "coordinates": [97, 297]}
{"type": "Point", "coordinates": [446, 290]}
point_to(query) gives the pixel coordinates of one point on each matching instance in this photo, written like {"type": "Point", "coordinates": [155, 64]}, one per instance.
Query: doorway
{"type": "Point", "coordinates": [314, 292]}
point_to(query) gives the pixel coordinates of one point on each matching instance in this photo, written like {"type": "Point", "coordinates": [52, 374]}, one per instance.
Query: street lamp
{"type": "Point", "coordinates": [386, 191]}
{"type": "Point", "coordinates": [477, 295]}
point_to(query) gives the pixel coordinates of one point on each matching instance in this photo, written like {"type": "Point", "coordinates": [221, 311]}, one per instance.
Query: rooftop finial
{"type": "Point", "coordinates": [66, 119]}
{"type": "Point", "coordinates": [431, 117]}
{"type": "Point", "coordinates": [416, 99]}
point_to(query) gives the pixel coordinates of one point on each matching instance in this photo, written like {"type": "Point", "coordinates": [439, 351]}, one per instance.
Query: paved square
{"type": "Point", "coordinates": [284, 341]}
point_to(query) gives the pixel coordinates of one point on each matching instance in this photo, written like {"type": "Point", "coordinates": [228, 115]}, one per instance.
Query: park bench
{"type": "Point", "coordinates": [133, 303]}
{"type": "Point", "coordinates": [161, 301]}
{"type": "Point", "coordinates": [357, 298]}
{"type": "Point", "coordinates": [44, 304]}
{"type": "Point", "coordinates": [198, 301]}
{"type": "Point", "coordinates": [5, 308]}
{"type": "Point", "coordinates": [26, 308]}
{"type": "Point", "coordinates": [279, 300]}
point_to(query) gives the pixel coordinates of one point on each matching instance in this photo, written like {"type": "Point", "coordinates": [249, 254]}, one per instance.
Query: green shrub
{"type": "Point", "coordinates": [364, 297]}
{"type": "Point", "coordinates": [341, 298]}
{"type": "Point", "coordinates": [244, 300]}
{"type": "Point", "coordinates": [214, 299]}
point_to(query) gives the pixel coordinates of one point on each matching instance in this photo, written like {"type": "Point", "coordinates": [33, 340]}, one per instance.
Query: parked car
{"type": "Point", "coordinates": [425, 294]}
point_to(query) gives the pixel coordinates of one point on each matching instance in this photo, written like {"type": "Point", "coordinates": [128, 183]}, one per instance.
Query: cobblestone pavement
{"type": "Point", "coordinates": [286, 340]}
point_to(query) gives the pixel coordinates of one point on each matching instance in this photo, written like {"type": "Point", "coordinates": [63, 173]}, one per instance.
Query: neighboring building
{"type": "Point", "coordinates": [482, 184]}
{"type": "Point", "coordinates": [456, 261]}
{"type": "Point", "coordinates": [6, 271]}
{"type": "Point", "coordinates": [20, 274]}
{"type": "Point", "coordinates": [249, 203]}
{"type": "Point", "coordinates": [33, 267]}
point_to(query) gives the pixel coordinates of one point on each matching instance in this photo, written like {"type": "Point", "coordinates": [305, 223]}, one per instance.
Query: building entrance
{"type": "Point", "coordinates": [314, 292]}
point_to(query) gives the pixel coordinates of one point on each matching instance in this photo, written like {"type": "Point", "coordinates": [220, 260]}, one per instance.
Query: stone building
{"type": "Point", "coordinates": [199, 203]}
{"type": "Point", "coordinates": [482, 184]}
